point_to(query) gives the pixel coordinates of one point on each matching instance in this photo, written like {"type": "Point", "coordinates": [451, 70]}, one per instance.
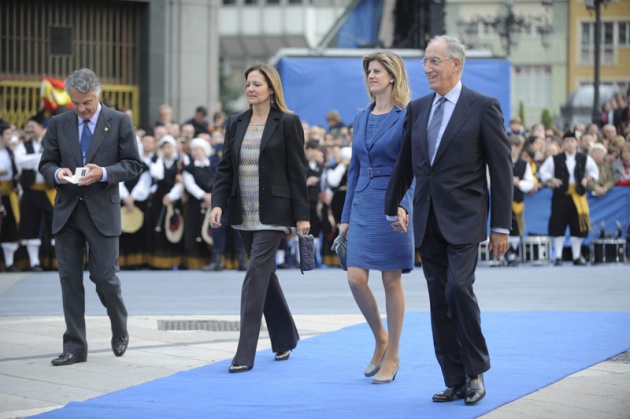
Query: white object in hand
{"type": "Point", "coordinates": [78, 174]}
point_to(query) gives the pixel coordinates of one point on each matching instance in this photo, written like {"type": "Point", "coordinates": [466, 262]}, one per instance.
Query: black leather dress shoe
{"type": "Point", "coordinates": [450, 394]}
{"type": "Point", "coordinates": [579, 262]}
{"type": "Point", "coordinates": [475, 389]}
{"type": "Point", "coordinates": [119, 344]}
{"type": "Point", "coordinates": [37, 268]}
{"type": "Point", "coordinates": [67, 358]}
{"type": "Point", "coordinates": [557, 262]}
{"type": "Point", "coordinates": [282, 356]}
{"type": "Point", "coordinates": [239, 368]}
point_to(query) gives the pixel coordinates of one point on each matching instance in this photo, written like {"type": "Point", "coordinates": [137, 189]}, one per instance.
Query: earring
{"type": "Point", "coordinates": [272, 97]}
{"type": "Point", "coordinates": [391, 81]}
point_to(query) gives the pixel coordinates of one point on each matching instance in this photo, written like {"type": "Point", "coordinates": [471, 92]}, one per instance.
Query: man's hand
{"type": "Point", "coordinates": [64, 172]}
{"type": "Point", "coordinates": [94, 175]}
{"type": "Point", "coordinates": [129, 202]}
{"type": "Point", "coordinates": [554, 182]}
{"type": "Point", "coordinates": [312, 181]}
{"type": "Point", "coordinates": [498, 244]}
{"type": "Point", "coordinates": [402, 221]}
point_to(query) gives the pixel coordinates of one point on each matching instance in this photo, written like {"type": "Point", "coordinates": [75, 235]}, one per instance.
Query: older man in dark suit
{"type": "Point", "coordinates": [451, 136]}
{"type": "Point", "coordinates": [102, 142]}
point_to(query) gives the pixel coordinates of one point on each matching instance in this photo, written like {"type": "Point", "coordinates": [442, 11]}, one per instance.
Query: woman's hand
{"type": "Point", "coordinates": [215, 217]}
{"type": "Point", "coordinates": [343, 228]}
{"type": "Point", "coordinates": [303, 227]}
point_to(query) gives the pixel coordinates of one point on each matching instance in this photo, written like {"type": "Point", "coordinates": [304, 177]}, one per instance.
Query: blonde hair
{"type": "Point", "coordinates": [395, 66]}
{"type": "Point", "coordinates": [273, 81]}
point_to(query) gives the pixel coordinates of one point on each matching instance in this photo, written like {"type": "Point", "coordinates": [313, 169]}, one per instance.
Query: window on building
{"type": "Point", "coordinates": [623, 34]}
{"type": "Point", "coordinates": [532, 86]}
{"type": "Point", "coordinates": [614, 35]}
{"type": "Point", "coordinates": [247, 2]}
{"type": "Point", "coordinates": [273, 2]}
{"type": "Point", "coordinates": [229, 2]}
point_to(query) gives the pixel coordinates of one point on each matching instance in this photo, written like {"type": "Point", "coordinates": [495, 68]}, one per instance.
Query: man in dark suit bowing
{"type": "Point", "coordinates": [450, 137]}
{"type": "Point", "coordinates": [102, 142]}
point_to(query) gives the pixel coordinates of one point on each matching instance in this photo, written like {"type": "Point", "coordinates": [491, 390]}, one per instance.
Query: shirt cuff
{"type": "Point", "coordinates": [104, 178]}
{"type": "Point", "coordinates": [391, 217]}
{"type": "Point", "coordinates": [501, 230]}
{"type": "Point", "coordinates": [57, 180]}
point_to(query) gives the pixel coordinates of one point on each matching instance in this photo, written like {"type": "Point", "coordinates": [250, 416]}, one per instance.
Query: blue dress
{"type": "Point", "coordinates": [372, 242]}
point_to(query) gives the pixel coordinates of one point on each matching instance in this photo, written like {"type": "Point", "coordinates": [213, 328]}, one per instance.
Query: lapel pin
{"type": "Point", "coordinates": [106, 129]}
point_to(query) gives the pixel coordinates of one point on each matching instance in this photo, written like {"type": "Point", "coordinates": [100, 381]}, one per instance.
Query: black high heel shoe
{"type": "Point", "coordinates": [239, 368]}
{"type": "Point", "coordinates": [282, 356]}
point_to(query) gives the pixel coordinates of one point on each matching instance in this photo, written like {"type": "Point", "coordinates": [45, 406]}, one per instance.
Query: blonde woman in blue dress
{"type": "Point", "coordinates": [372, 244]}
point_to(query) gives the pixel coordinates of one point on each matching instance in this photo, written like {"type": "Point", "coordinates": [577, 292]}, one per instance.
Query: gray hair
{"type": "Point", "coordinates": [83, 80]}
{"type": "Point", "coordinates": [454, 49]}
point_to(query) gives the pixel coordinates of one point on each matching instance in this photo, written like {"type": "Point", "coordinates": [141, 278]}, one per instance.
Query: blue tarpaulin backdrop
{"type": "Point", "coordinates": [614, 206]}
{"type": "Point", "coordinates": [313, 86]}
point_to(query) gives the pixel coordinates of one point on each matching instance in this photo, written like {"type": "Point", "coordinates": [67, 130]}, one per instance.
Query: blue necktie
{"type": "Point", "coordinates": [434, 127]}
{"type": "Point", "coordinates": [86, 137]}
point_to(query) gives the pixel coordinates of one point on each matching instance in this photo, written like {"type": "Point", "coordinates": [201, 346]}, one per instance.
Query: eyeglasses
{"type": "Point", "coordinates": [434, 61]}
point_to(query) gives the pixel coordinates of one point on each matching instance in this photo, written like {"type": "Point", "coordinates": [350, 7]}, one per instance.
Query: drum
{"type": "Point", "coordinates": [484, 257]}
{"type": "Point", "coordinates": [608, 251]}
{"type": "Point", "coordinates": [537, 249]}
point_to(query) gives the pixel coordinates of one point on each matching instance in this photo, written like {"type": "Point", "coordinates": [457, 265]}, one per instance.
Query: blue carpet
{"type": "Point", "coordinates": [324, 377]}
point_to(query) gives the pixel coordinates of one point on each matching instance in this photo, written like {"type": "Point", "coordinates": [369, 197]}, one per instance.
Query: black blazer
{"type": "Point", "coordinates": [113, 147]}
{"type": "Point", "coordinates": [281, 170]}
{"type": "Point", "coordinates": [456, 184]}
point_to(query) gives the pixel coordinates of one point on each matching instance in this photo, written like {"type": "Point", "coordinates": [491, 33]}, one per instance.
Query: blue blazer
{"type": "Point", "coordinates": [372, 166]}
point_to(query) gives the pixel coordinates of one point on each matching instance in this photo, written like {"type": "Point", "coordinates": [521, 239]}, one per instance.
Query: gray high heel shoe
{"type": "Point", "coordinates": [385, 379]}
{"type": "Point", "coordinates": [372, 369]}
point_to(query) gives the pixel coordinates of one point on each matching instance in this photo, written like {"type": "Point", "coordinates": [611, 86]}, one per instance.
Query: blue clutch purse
{"type": "Point", "coordinates": [306, 244]}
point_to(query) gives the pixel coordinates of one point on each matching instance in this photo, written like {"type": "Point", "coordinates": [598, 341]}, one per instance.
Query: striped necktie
{"type": "Point", "coordinates": [434, 127]}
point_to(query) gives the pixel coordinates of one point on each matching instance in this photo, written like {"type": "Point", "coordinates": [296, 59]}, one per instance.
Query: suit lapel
{"type": "Point", "coordinates": [423, 121]}
{"type": "Point", "coordinates": [270, 128]}
{"type": "Point", "coordinates": [390, 119]}
{"type": "Point", "coordinates": [239, 134]}
{"type": "Point", "coordinates": [460, 115]}
{"type": "Point", "coordinates": [100, 133]}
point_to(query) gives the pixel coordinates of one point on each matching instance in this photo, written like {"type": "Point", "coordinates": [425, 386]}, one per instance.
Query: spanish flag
{"type": "Point", "coordinates": [53, 94]}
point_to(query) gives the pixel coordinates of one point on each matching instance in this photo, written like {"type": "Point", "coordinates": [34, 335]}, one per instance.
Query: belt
{"type": "Point", "coordinates": [376, 171]}
{"type": "Point", "coordinates": [41, 186]}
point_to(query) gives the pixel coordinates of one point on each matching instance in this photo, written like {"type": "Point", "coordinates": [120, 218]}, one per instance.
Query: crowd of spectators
{"type": "Point", "coordinates": [165, 148]}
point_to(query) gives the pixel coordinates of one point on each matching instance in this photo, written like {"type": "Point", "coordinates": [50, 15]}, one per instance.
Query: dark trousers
{"type": "Point", "coordinates": [35, 215]}
{"type": "Point", "coordinates": [449, 269]}
{"type": "Point", "coordinates": [563, 214]}
{"type": "Point", "coordinates": [261, 294]}
{"type": "Point", "coordinates": [103, 264]}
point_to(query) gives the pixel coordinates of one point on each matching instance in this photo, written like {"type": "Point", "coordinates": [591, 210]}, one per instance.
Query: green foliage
{"type": "Point", "coordinates": [546, 119]}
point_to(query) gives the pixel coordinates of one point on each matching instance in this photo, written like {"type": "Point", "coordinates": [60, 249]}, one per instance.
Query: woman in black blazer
{"type": "Point", "coordinates": [262, 180]}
